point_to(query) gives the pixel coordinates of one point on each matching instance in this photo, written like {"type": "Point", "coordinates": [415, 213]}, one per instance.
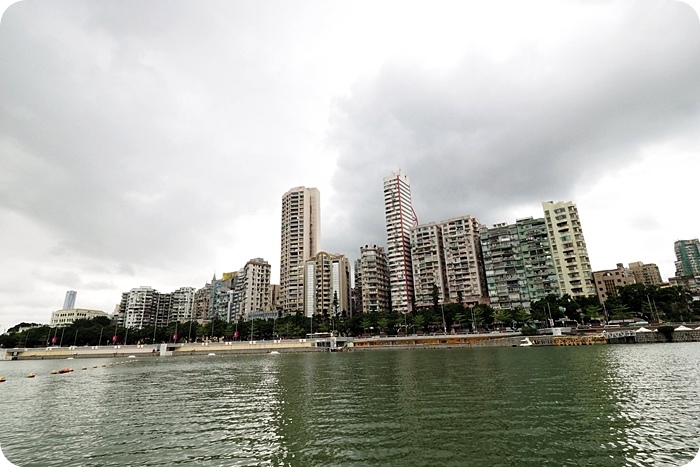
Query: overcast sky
{"type": "Point", "coordinates": [150, 142]}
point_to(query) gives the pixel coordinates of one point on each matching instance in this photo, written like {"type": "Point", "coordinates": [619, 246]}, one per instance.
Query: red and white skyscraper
{"type": "Point", "coordinates": [400, 219]}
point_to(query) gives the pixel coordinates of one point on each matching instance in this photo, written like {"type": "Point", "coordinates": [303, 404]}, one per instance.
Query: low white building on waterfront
{"type": "Point", "coordinates": [67, 317]}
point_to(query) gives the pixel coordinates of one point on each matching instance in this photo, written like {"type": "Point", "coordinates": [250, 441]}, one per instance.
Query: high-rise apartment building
{"type": "Point", "coordinates": [518, 263]}
{"type": "Point", "coordinates": [327, 285]}
{"type": "Point", "coordinates": [647, 274]}
{"type": "Point", "coordinates": [372, 279]}
{"type": "Point", "coordinates": [608, 281]}
{"type": "Point", "coordinates": [252, 289]}
{"type": "Point", "coordinates": [568, 248]}
{"type": "Point", "coordinates": [464, 266]}
{"type": "Point", "coordinates": [181, 304]}
{"type": "Point", "coordinates": [356, 293]}
{"type": "Point", "coordinates": [428, 263]}
{"type": "Point", "coordinates": [139, 307]}
{"type": "Point", "coordinates": [540, 273]}
{"type": "Point", "coordinates": [145, 306]}
{"type": "Point", "coordinates": [447, 255]}
{"type": "Point", "coordinates": [504, 266]}
{"type": "Point", "coordinates": [201, 306]}
{"type": "Point", "coordinates": [400, 219]}
{"type": "Point", "coordinates": [275, 297]}
{"type": "Point", "coordinates": [300, 235]}
{"type": "Point", "coordinates": [687, 257]}
{"type": "Point", "coordinates": [69, 301]}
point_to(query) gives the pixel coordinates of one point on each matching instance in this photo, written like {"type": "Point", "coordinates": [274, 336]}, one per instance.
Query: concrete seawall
{"type": "Point", "coordinates": [676, 336]}
{"type": "Point", "coordinates": [345, 344]}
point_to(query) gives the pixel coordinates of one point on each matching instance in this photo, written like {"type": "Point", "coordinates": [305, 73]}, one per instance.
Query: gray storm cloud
{"type": "Point", "coordinates": [487, 135]}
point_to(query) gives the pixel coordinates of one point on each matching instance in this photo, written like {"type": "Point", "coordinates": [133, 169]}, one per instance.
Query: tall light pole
{"type": "Point", "coordinates": [444, 325]}
{"type": "Point", "coordinates": [155, 326]}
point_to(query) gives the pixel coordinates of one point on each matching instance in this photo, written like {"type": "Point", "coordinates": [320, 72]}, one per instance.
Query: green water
{"type": "Point", "coordinates": [595, 405]}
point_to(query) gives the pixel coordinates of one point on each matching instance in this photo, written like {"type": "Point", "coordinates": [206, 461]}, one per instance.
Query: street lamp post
{"type": "Point", "coordinates": [444, 325]}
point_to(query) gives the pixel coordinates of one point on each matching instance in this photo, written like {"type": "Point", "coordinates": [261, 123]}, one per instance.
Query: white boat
{"type": "Point", "coordinates": [131, 356]}
{"type": "Point", "coordinates": [211, 354]}
{"type": "Point", "coordinates": [274, 352]}
{"type": "Point", "coordinates": [526, 342]}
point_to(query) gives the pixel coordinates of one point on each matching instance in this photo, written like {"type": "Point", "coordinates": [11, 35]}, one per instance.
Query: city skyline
{"type": "Point", "coordinates": [133, 153]}
{"type": "Point", "coordinates": [461, 234]}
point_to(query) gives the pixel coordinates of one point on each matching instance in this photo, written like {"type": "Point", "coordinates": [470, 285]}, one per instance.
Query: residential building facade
{"type": "Point", "coordinates": [447, 260]}
{"type": "Point", "coordinates": [182, 303]}
{"type": "Point", "coordinates": [687, 257]}
{"type": "Point", "coordinates": [540, 273]}
{"type": "Point", "coordinates": [428, 263]}
{"type": "Point", "coordinates": [518, 263]}
{"type": "Point", "coordinates": [568, 248]}
{"type": "Point", "coordinates": [647, 274]}
{"type": "Point", "coordinates": [463, 261]}
{"type": "Point", "coordinates": [300, 236]}
{"type": "Point", "coordinates": [254, 280]}
{"type": "Point", "coordinates": [372, 279]}
{"type": "Point", "coordinates": [608, 281]}
{"type": "Point", "coordinates": [400, 219]}
{"type": "Point", "coordinates": [327, 285]}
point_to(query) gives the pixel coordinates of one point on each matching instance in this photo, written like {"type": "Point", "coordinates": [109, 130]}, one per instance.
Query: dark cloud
{"type": "Point", "coordinates": [487, 134]}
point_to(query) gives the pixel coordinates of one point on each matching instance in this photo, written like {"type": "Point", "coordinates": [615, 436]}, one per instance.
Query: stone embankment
{"type": "Point", "coordinates": [675, 336]}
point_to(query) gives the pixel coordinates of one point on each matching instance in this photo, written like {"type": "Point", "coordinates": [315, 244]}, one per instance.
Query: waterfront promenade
{"type": "Point", "coordinates": [499, 339]}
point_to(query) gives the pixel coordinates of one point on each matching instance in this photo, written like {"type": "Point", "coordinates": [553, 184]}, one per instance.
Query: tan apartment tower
{"type": "Point", "coordinates": [608, 282]}
{"type": "Point", "coordinates": [327, 283]}
{"type": "Point", "coordinates": [568, 249]}
{"type": "Point", "coordinates": [300, 234]}
{"type": "Point", "coordinates": [447, 254]}
{"type": "Point", "coordinates": [372, 279]}
{"type": "Point", "coordinates": [647, 274]}
{"type": "Point", "coordinates": [252, 291]}
{"type": "Point", "coordinates": [400, 219]}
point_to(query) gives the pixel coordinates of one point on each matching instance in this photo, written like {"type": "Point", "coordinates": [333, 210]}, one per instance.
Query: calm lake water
{"type": "Point", "coordinates": [598, 405]}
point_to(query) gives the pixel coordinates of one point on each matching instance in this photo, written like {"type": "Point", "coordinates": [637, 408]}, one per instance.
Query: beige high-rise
{"type": "Point", "coordinates": [447, 254]}
{"type": "Point", "coordinates": [300, 234]}
{"type": "Point", "coordinates": [568, 248]}
{"type": "Point", "coordinates": [372, 279]}
{"type": "Point", "coordinates": [647, 274]}
{"type": "Point", "coordinates": [608, 282]}
{"type": "Point", "coordinates": [327, 284]}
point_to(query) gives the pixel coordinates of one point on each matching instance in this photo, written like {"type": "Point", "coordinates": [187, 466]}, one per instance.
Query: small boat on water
{"type": "Point", "coordinates": [526, 342]}
{"type": "Point", "coordinates": [65, 370]}
{"type": "Point", "coordinates": [211, 354]}
{"type": "Point", "coordinates": [31, 375]}
{"type": "Point", "coordinates": [131, 356]}
{"type": "Point", "coordinates": [54, 372]}
{"type": "Point", "coordinates": [274, 352]}
{"type": "Point", "coordinates": [2, 379]}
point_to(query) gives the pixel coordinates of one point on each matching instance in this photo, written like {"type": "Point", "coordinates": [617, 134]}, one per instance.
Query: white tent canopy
{"type": "Point", "coordinates": [643, 329]}
{"type": "Point", "coordinates": [682, 328]}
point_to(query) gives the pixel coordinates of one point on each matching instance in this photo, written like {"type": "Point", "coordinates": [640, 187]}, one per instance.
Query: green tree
{"type": "Point", "coordinates": [419, 323]}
